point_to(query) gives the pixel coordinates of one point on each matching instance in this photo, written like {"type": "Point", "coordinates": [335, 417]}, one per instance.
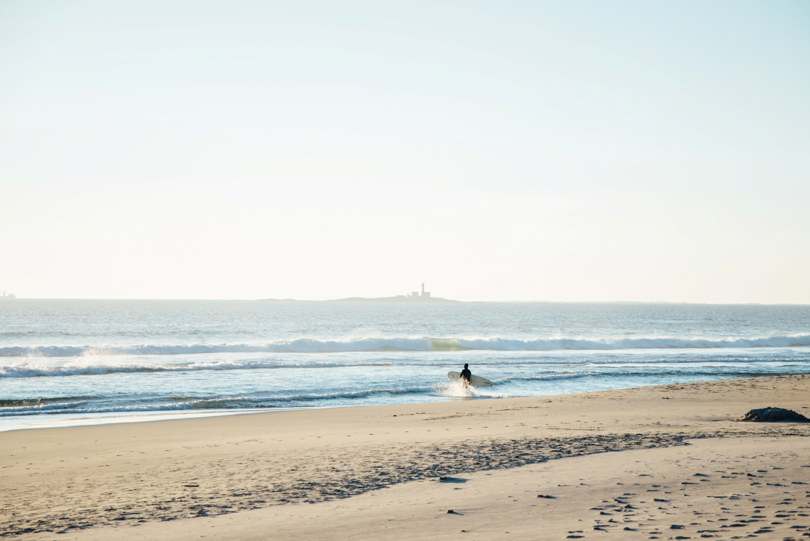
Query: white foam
{"type": "Point", "coordinates": [305, 345]}
{"type": "Point", "coordinates": [454, 389]}
{"type": "Point", "coordinates": [92, 418]}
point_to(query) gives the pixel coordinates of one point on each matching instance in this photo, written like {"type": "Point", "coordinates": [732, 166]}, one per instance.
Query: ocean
{"type": "Point", "coordinates": [73, 362]}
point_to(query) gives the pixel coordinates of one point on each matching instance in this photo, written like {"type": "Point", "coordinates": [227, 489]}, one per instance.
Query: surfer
{"type": "Point", "coordinates": [465, 375]}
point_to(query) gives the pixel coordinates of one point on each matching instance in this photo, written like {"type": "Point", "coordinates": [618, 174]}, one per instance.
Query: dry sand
{"type": "Point", "coordinates": [666, 462]}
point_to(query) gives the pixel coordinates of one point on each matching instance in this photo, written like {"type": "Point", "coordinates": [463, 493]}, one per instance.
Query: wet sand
{"type": "Point", "coordinates": [666, 462]}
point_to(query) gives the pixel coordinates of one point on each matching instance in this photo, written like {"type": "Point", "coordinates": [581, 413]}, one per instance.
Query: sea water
{"type": "Point", "coordinates": [90, 361]}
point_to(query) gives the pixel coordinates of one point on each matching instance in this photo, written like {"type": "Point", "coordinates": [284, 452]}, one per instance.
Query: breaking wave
{"type": "Point", "coordinates": [32, 370]}
{"type": "Point", "coordinates": [71, 405]}
{"type": "Point", "coordinates": [412, 345]}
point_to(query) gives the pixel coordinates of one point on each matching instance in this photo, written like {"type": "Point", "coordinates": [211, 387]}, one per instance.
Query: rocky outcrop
{"type": "Point", "coordinates": [774, 415]}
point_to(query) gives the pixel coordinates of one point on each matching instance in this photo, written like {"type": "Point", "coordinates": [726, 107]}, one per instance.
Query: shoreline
{"type": "Point", "coordinates": [75, 420]}
{"type": "Point", "coordinates": [225, 471]}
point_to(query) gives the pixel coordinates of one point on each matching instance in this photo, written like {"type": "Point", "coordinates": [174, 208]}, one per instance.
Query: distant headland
{"type": "Point", "coordinates": [415, 296]}
{"type": "Point", "coordinates": [397, 298]}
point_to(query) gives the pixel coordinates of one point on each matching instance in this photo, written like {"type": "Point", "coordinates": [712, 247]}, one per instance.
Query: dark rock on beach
{"type": "Point", "coordinates": [774, 415]}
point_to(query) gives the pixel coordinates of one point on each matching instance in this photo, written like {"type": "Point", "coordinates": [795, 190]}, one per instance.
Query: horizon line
{"type": "Point", "coordinates": [394, 298]}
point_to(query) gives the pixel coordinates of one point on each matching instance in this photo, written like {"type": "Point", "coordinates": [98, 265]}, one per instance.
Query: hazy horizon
{"type": "Point", "coordinates": [543, 151]}
{"type": "Point", "coordinates": [361, 298]}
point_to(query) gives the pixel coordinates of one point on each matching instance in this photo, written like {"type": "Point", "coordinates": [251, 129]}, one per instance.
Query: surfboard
{"type": "Point", "coordinates": [475, 381]}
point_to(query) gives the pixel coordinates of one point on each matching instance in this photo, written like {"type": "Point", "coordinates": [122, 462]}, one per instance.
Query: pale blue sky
{"type": "Point", "coordinates": [578, 150]}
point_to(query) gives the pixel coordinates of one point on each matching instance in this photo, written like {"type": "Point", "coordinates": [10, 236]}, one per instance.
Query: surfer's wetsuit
{"type": "Point", "coordinates": [465, 375]}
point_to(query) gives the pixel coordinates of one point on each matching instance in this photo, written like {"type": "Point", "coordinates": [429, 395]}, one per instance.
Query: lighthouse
{"type": "Point", "coordinates": [423, 294]}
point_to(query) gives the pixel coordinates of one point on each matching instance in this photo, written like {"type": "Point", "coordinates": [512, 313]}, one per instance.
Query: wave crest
{"type": "Point", "coordinates": [306, 345]}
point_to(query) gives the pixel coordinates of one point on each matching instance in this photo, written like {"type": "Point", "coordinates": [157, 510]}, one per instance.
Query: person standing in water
{"type": "Point", "coordinates": [465, 375]}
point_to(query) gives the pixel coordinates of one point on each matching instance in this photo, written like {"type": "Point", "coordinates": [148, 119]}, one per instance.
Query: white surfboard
{"type": "Point", "coordinates": [475, 381]}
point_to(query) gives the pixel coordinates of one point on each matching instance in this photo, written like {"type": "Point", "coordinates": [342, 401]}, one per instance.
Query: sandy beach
{"type": "Point", "coordinates": [668, 462]}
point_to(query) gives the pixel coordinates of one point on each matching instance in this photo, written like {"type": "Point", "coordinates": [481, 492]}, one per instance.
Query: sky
{"type": "Point", "coordinates": [511, 150]}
